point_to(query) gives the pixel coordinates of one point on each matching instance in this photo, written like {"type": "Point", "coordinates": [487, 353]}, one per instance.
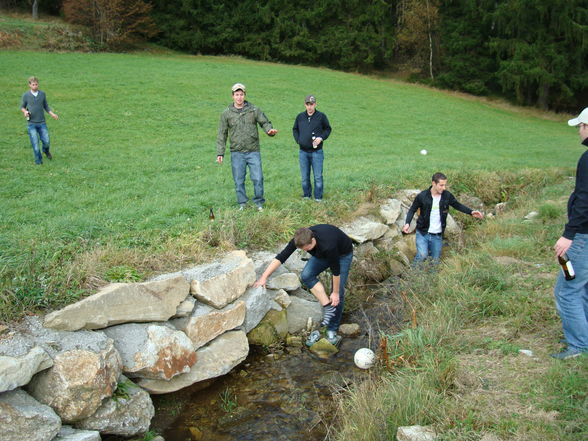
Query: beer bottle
{"type": "Point", "coordinates": [211, 215]}
{"type": "Point", "coordinates": [566, 267]}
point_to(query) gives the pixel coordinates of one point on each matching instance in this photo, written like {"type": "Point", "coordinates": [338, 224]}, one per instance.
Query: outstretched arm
{"type": "Point", "coordinates": [274, 264]}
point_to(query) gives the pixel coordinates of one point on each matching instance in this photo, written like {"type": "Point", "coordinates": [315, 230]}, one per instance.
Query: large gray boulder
{"type": "Point", "coordinates": [20, 359]}
{"type": "Point", "coordinates": [85, 370]}
{"type": "Point", "coordinates": [299, 311]}
{"type": "Point", "coordinates": [122, 303]}
{"type": "Point", "coordinates": [217, 358]}
{"type": "Point", "coordinates": [127, 413]}
{"type": "Point", "coordinates": [258, 301]}
{"type": "Point", "coordinates": [24, 418]}
{"type": "Point", "coordinates": [206, 323]}
{"type": "Point", "coordinates": [363, 229]}
{"type": "Point", "coordinates": [220, 283]}
{"type": "Point", "coordinates": [287, 282]}
{"type": "Point", "coordinates": [391, 210]}
{"type": "Point", "coordinates": [152, 350]}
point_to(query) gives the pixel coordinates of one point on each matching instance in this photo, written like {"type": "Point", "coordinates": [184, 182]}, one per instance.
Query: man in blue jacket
{"type": "Point", "coordinates": [311, 128]}
{"type": "Point", "coordinates": [571, 296]}
{"type": "Point", "coordinates": [433, 204]}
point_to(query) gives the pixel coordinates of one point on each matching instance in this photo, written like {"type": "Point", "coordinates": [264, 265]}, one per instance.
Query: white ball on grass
{"type": "Point", "coordinates": [423, 152]}
{"type": "Point", "coordinates": [364, 358]}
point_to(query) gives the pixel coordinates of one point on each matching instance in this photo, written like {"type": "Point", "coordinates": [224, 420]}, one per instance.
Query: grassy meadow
{"type": "Point", "coordinates": [133, 178]}
{"type": "Point", "coordinates": [134, 151]}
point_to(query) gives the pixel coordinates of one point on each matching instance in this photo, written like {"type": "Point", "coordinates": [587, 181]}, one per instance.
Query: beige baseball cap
{"type": "Point", "coordinates": [581, 119]}
{"type": "Point", "coordinates": [310, 99]}
{"type": "Point", "coordinates": [238, 86]}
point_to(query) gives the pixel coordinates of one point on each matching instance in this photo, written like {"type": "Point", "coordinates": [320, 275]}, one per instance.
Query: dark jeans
{"type": "Point", "coordinates": [309, 277]}
{"type": "Point", "coordinates": [307, 161]}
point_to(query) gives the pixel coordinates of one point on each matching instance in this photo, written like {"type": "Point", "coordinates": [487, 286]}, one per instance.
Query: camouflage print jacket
{"type": "Point", "coordinates": [241, 128]}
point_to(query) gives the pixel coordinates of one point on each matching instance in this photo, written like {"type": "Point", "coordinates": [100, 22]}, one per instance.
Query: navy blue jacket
{"type": "Point", "coordinates": [424, 201]}
{"type": "Point", "coordinates": [305, 127]}
{"type": "Point", "coordinates": [578, 202]}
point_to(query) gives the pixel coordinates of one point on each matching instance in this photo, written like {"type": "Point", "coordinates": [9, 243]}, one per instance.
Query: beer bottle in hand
{"type": "Point", "coordinates": [566, 267]}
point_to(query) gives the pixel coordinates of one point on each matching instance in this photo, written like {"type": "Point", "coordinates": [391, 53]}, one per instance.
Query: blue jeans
{"type": "Point", "coordinates": [571, 296]}
{"type": "Point", "coordinates": [307, 161]}
{"type": "Point", "coordinates": [38, 131]}
{"type": "Point", "coordinates": [428, 245]}
{"type": "Point", "coordinates": [239, 163]}
{"type": "Point", "coordinates": [309, 277]}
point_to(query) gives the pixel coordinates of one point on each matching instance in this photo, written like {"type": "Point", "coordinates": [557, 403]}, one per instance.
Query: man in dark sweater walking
{"type": "Point", "coordinates": [571, 296]}
{"type": "Point", "coordinates": [433, 204]}
{"type": "Point", "coordinates": [311, 128]}
{"type": "Point", "coordinates": [33, 106]}
{"type": "Point", "coordinates": [330, 248]}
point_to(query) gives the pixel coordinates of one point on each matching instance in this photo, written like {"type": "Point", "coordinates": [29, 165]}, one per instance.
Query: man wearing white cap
{"type": "Point", "coordinates": [571, 296]}
{"type": "Point", "coordinates": [239, 123]}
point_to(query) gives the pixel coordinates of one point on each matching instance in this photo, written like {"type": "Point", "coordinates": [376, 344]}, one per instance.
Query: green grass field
{"type": "Point", "coordinates": [134, 152]}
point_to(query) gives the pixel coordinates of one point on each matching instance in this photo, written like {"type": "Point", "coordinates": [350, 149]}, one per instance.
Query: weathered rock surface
{"type": "Point", "coordinates": [287, 282]}
{"type": "Point", "coordinates": [299, 311]}
{"type": "Point", "coordinates": [20, 359]}
{"type": "Point", "coordinates": [349, 329]}
{"type": "Point", "coordinates": [68, 433]}
{"type": "Point", "coordinates": [186, 307]}
{"type": "Point", "coordinates": [391, 210]}
{"type": "Point", "coordinates": [24, 418]}
{"type": "Point", "coordinates": [213, 360]}
{"type": "Point", "coordinates": [257, 303]}
{"type": "Point", "coordinates": [85, 370]}
{"type": "Point", "coordinates": [220, 283]}
{"type": "Point", "coordinates": [207, 323]}
{"type": "Point", "coordinates": [152, 350]}
{"type": "Point", "coordinates": [282, 298]}
{"type": "Point", "coordinates": [415, 433]}
{"type": "Point", "coordinates": [363, 229]}
{"type": "Point", "coordinates": [121, 303]}
{"type": "Point", "coordinates": [272, 329]}
{"type": "Point", "coordinates": [124, 414]}
{"type": "Point", "coordinates": [323, 348]}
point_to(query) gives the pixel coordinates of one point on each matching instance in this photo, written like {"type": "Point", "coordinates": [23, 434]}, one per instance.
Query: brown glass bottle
{"type": "Point", "coordinates": [211, 215]}
{"type": "Point", "coordinates": [566, 267]}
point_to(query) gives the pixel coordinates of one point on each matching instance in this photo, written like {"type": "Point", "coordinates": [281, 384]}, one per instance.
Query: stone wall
{"type": "Point", "coordinates": [89, 368]}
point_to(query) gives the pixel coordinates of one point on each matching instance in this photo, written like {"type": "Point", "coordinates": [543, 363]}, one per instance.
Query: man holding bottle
{"type": "Point", "coordinates": [571, 294]}
{"type": "Point", "coordinates": [311, 128]}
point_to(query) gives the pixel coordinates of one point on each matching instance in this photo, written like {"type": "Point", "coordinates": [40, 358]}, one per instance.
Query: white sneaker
{"type": "Point", "coordinates": [260, 208]}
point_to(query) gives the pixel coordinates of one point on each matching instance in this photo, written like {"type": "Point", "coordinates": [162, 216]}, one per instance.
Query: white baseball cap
{"type": "Point", "coordinates": [238, 86]}
{"type": "Point", "coordinates": [581, 119]}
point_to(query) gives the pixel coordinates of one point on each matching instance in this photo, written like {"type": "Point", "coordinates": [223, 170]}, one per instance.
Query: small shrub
{"type": "Point", "coordinates": [549, 212]}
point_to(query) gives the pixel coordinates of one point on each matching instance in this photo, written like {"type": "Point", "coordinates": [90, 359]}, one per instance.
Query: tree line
{"type": "Point", "coordinates": [532, 52]}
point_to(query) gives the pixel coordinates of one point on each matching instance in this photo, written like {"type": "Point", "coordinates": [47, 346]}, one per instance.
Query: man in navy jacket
{"type": "Point", "coordinates": [311, 128]}
{"type": "Point", "coordinates": [571, 296]}
{"type": "Point", "coordinates": [433, 204]}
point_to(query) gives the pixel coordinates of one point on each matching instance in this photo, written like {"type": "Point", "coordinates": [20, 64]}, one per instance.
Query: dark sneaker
{"type": "Point", "coordinates": [313, 338]}
{"type": "Point", "coordinates": [49, 155]}
{"type": "Point", "coordinates": [328, 314]}
{"type": "Point", "coordinates": [567, 354]}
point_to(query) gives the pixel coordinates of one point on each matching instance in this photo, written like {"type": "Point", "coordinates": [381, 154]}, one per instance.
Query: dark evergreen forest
{"type": "Point", "coordinates": [531, 52]}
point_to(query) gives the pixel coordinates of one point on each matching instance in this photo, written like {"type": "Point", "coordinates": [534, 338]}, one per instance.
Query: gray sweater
{"type": "Point", "coordinates": [35, 105]}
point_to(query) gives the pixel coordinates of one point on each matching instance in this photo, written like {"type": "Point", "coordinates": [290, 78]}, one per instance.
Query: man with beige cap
{"type": "Point", "coordinates": [571, 296]}
{"type": "Point", "coordinates": [239, 122]}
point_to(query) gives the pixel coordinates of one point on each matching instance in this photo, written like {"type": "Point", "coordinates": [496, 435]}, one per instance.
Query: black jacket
{"type": "Point", "coordinates": [578, 202]}
{"type": "Point", "coordinates": [424, 201]}
{"type": "Point", "coordinates": [305, 127]}
{"type": "Point", "coordinates": [331, 244]}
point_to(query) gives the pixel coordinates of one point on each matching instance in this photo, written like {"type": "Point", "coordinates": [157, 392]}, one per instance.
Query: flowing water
{"type": "Point", "coordinates": [284, 395]}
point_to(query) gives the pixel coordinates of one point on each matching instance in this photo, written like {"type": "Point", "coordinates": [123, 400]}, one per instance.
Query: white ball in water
{"type": "Point", "coordinates": [364, 358]}
{"type": "Point", "coordinates": [423, 152]}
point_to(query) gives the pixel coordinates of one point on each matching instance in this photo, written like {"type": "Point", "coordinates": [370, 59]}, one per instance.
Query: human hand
{"type": "Point", "coordinates": [477, 214]}
{"type": "Point", "coordinates": [334, 298]}
{"type": "Point", "coordinates": [219, 159]}
{"type": "Point", "coordinates": [53, 115]}
{"type": "Point", "coordinates": [272, 132]}
{"type": "Point", "coordinates": [260, 282]}
{"type": "Point", "coordinates": [316, 141]}
{"type": "Point", "coordinates": [406, 228]}
{"type": "Point", "coordinates": [562, 246]}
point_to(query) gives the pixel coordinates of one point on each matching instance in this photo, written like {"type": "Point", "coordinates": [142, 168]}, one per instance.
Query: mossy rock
{"type": "Point", "coordinates": [323, 348]}
{"type": "Point", "coordinates": [263, 334]}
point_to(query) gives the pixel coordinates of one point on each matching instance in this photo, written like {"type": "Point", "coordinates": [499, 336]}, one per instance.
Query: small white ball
{"type": "Point", "coordinates": [364, 358]}
{"type": "Point", "coordinates": [423, 152]}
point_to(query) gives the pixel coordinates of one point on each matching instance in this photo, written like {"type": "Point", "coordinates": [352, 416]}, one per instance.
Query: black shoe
{"type": "Point", "coordinates": [49, 155]}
